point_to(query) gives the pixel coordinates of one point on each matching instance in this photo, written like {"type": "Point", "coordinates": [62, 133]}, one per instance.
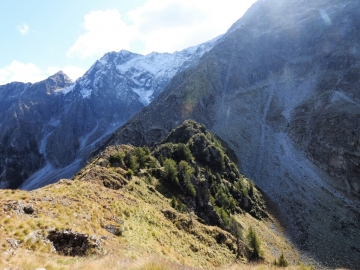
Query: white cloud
{"type": "Point", "coordinates": [162, 25]}
{"type": "Point", "coordinates": [21, 72]}
{"type": "Point", "coordinates": [23, 29]}
{"type": "Point", "coordinates": [169, 25]}
{"type": "Point", "coordinates": [105, 31]}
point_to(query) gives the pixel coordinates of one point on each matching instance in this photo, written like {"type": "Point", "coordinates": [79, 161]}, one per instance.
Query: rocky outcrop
{"type": "Point", "coordinates": [71, 243]}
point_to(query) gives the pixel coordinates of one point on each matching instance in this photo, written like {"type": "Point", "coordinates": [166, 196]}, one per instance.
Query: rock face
{"type": "Point", "coordinates": [281, 89]}
{"type": "Point", "coordinates": [26, 111]}
{"type": "Point", "coordinates": [47, 128]}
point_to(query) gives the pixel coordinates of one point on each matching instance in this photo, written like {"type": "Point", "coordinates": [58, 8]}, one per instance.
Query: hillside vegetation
{"type": "Point", "coordinates": [181, 205]}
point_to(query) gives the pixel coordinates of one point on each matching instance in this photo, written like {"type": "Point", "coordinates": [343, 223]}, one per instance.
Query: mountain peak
{"type": "Point", "coordinates": [59, 80]}
{"type": "Point", "coordinates": [62, 76]}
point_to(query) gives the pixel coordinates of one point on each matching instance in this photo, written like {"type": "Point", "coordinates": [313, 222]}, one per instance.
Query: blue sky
{"type": "Point", "coordinates": [40, 37]}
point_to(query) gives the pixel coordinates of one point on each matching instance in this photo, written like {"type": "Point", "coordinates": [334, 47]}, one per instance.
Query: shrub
{"type": "Point", "coordinates": [129, 173]}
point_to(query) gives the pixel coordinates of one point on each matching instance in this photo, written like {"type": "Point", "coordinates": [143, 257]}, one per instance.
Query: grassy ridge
{"type": "Point", "coordinates": [160, 223]}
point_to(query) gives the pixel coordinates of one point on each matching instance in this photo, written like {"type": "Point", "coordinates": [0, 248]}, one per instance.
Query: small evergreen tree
{"type": "Point", "coordinates": [235, 229]}
{"type": "Point", "coordinates": [184, 152]}
{"type": "Point", "coordinates": [173, 202]}
{"type": "Point", "coordinates": [254, 245]}
{"type": "Point", "coordinates": [185, 170]}
{"type": "Point", "coordinates": [153, 163]}
{"type": "Point", "coordinates": [161, 160]}
{"type": "Point", "coordinates": [133, 164]}
{"type": "Point", "coordinates": [171, 171]}
{"type": "Point", "coordinates": [251, 188]}
{"type": "Point", "coordinates": [282, 262]}
{"type": "Point", "coordinates": [141, 156]}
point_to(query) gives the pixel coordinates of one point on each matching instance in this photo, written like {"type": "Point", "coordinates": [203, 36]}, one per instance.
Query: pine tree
{"type": "Point", "coordinates": [254, 245]}
{"type": "Point", "coordinates": [171, 171]}
{"type": "Point", "coordinates": [282, 262]}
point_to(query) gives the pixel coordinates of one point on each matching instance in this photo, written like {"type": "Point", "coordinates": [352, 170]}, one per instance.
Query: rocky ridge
{"type": "Point", "coordinates": [281, 91]}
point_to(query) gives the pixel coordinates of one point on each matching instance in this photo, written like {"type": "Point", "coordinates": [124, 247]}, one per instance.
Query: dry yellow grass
{"type": "Point", "coordinates": [149, 240]}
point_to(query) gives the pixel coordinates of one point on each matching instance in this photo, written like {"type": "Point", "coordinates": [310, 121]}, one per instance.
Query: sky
{"type": "Point", "coordinates": [40, 37]}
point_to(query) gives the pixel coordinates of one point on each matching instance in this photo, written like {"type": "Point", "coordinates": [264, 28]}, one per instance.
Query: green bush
{"type": "Point", "coordinates": [129, 173]}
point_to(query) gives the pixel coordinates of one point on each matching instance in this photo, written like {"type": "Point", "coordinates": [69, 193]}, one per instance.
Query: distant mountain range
{"type": "Point", "coordinates": [47, 129]}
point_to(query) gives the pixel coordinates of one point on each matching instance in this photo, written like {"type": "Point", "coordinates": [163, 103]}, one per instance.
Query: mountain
{"type": "Point", "coordinates": [48, 128]}
{"type": "Point", "coordinates": [140, 208]}
{"type": "Point", "coordinates": [282, 90]}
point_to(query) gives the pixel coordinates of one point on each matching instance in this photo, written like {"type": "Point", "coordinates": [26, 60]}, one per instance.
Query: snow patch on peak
{"type": "Point", "coordinates": [144, 75]}
{"type": "Point", "coordinates": [65, 90]}
{"type": "Point", "coordinates": [86, 93]}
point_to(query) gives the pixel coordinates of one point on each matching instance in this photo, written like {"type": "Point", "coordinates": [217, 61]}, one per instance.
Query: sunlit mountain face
{"type": "Point", "coordinates": [282, 90]}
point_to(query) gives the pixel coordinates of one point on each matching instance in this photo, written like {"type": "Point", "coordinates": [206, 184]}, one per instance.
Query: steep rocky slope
{"type": "Point", "coordinates": [26, 112]}
{"type": "Point", "coordinates": [47, 128]}
{"type": "Point", "coordinates": [122, 211]}
{"type": "Point", "coordinates": [282, 91]}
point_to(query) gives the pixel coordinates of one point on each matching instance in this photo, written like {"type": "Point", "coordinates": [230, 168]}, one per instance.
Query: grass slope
{"type": "Point", "coordinates": [149, 232]}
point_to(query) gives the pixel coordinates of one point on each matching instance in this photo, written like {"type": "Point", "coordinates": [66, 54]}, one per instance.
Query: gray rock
{"type": "Point", "coordinates": [116, 230]}
{"type": "Point", "coordinates": [13, 243]}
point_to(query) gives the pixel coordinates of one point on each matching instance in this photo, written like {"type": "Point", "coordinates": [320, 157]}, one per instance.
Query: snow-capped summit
{"type": "Point", "coordinates": [144, 75]}
{"type": "Point", "coordinates": [48, 135]}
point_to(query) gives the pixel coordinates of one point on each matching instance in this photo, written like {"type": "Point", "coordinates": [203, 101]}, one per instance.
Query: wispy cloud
{"type": "Point", "coordinates": [161, 25]}
{"type": "Point", "coordinates": [23, 29]}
